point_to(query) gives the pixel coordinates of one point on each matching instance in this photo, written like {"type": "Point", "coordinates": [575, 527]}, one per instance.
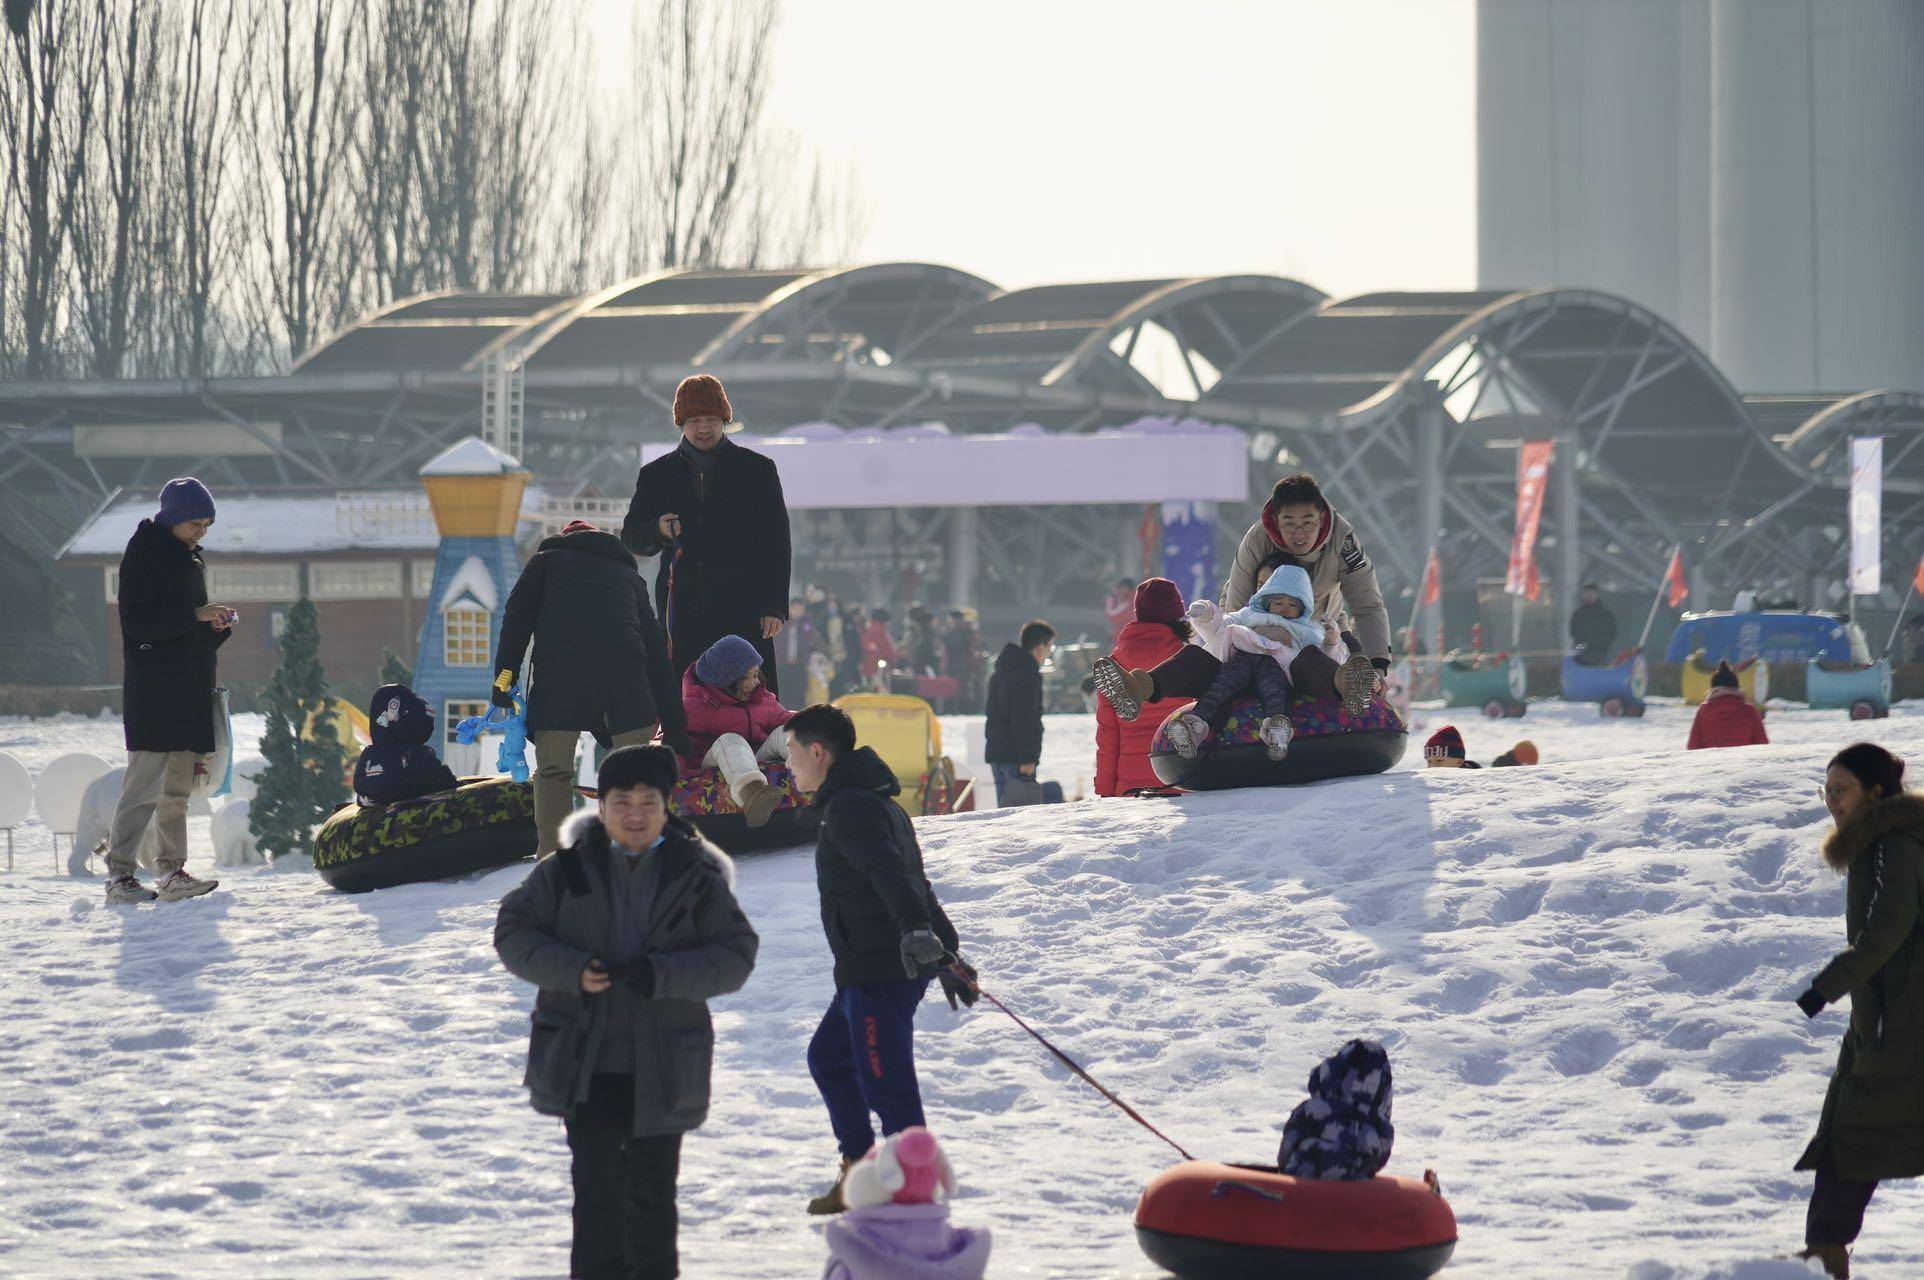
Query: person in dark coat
{"type": "Point", "coordinates": [794, 647]}
{"type": "Point", "coordinates": [886, 930]}
{"type": "Point", "coordinates": [599, 666]}
{"type": "Point", "coordinates": [1014, 730]}
{"type": "Point", "coordinates": [628, 932]}
{"type": "Point", "coordinates": [1593, 630]}
{"type": "Point", "coordinates": [399, 765]}
{"type": "Point", "coordinates": [169, 634]}
{"type": "Point", "coordinates": [714, 511]}
{"type": "Point", "coordinates": [1872, 1125]}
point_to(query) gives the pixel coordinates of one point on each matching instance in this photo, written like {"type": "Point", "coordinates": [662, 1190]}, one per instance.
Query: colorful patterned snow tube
{"type": "Point", "coordinates": [1329, 743]}
{"type": "Point", "coordinates": [702, 797]}
{"type": "Point", "coordinates": [482, 824]}
{"type": "Point", "coordinates": [1208, 1221]}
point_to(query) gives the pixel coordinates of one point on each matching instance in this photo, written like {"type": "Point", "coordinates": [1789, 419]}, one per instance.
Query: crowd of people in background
{"type": "Point", "coordinates": [831, 648]}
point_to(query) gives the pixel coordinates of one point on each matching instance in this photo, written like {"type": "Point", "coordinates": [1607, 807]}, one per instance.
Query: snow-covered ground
{"type": "Point", "coordinates": [1583, 973]}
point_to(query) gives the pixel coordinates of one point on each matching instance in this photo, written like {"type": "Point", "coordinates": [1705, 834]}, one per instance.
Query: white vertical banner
{"type": "Point", "coordinates": [1867, 515]}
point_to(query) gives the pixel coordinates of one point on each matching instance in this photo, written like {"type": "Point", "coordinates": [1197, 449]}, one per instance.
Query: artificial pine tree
{"type": "Point", "coordinates": [305, 775]}
{"type": "Point", "coordinates": [393, 670]}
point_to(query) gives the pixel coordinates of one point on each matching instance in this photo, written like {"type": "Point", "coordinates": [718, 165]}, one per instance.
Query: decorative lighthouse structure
{"type": "Point", "coordinates": [475, 491]}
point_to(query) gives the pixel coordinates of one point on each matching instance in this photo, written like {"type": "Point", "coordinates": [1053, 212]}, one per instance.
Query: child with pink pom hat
{"type": "Point", "coordinates": [897, 1224]}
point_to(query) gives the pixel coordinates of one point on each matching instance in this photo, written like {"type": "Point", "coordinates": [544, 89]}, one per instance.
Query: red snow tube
{"type": "Point", "coordinates": [1210, 1221]}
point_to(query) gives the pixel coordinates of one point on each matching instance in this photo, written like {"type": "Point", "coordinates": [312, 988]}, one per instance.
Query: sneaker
{"type": "Point", "coordinates": [1356, 681]}
{"type": "Point", "coordinates": [758, 799]}
{"type": "Point", "coordinates": [1186, 733]}
{"type": "Point", "coordinates": [178, 884]}
{"type": "Point", "coordinates": [125, 889]}
{"type": "Point", "coordinates": [830, 1202]}
{"type": "Point", "coordinates": [1276, 734]}
{"type": "Point", "coordinates": [1124, 691]}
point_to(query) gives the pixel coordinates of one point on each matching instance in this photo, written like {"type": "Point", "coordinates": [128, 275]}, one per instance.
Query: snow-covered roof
{"type": "Point", "coordinates": [1150, 460]}
{"type": "Point", "coordinates": [290, 522]}
{"type": "Point", "coordinates": [471, 580]}
{"type": "Point", "coordinates": [471, 457]}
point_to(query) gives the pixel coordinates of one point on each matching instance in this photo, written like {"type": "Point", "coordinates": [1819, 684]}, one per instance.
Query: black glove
{"type": "Point", "coordinates": [922, 952]}
{"type": "Point", "coordinates": [503, 698]}
{"type": "Point", "coordinates": [1811, 1002]}
{"type": "Point", "coordinates": [960, 988]}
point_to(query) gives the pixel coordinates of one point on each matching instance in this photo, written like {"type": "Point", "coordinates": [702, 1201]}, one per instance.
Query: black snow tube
{"type": "Point", "coordinates": [482, 824]}
{"type": "Point", "coordinates": [1329, 743]}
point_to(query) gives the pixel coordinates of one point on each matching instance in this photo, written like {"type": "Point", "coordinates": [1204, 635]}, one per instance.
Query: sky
{"type": "Point", "coordinates": [1036, 141]}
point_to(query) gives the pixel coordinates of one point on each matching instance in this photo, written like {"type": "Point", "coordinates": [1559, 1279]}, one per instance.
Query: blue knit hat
{"type": "Point", "coordinates": [183, 500]}
{"type": "Point", "coordinates": [727, 660]}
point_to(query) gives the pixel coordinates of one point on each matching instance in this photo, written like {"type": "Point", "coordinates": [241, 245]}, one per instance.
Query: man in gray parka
{"type": "Point", "coordinates": [629, 929]}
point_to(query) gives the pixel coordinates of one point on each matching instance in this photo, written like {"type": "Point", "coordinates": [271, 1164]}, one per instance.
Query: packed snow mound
{"type": "Point", "coordinates": [1582, 972]}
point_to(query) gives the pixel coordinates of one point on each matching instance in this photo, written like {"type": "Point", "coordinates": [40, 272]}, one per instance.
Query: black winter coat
{"type": "Point", "coordinates": [168, 654]}
{"type": "Point", "coordinates": [600, 662]}
{"type": "Point", "coordinates": [391, 774]}
{"type": "Point", "coordinates": [868, 869]}
{"type": "Point", "coordinates": [1014, 731]}
{"type": "Point", "coordinates": [731, 567]}
{"type": "Point", "coordinates": [1593, 629]}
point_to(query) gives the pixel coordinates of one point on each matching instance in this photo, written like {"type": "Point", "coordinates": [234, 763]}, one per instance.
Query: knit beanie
{"type": "Point", "coordinates": [1159, 600]}
{"type": "Point", "coordinates": [1445, 744]}
{"type": "Point", "coordinates": [650, 766]}
{"type": "Point", "coordinates": [701, 396]}
{"type": "Point", "coordinates": [1525, 752]}
{"type": "Point", "coordinates": [904, 1168]}
{"type": "Point", "coordinates": [183, 500]}
{"type": "Point", "coordinates": [580, 526]}
{"type": "Point", "coordinates": [1724, 678]}
{"type": "Point", "coordinates": [727, 660]}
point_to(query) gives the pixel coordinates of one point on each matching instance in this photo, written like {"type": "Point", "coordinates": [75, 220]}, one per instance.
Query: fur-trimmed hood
{"type": "Point", "coordinates": [586, 822]}
{"type": "Point", "coordinates": [1870, 824]}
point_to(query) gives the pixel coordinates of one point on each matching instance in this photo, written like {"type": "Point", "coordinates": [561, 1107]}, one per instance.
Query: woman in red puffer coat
{"type": "Point", "coordinates": [1726, 718]}
{"type": "Point", "coordinates": [1159, 632]}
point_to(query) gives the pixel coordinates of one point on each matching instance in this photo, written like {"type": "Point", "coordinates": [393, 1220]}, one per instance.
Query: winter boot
{"type": "Point", "coordinates": [758, 799]}
{"type": "Point", "coordinates": [125, 889]}
{"type": "Point", "coordinates": [1835, 1257]}
{"type": "Point", "coordinates": [178, 884]}
{"type": "Point", "coordinates": [1186, 734]}
{"type": "Point", "coordinates": [1356, 684]}
{"type": "Point", "coordinates": [1125, 691]}
{"type": "Point", "coordinates": [830, 1202]}
{"type": "Point", "coordinates": [1276, 733]}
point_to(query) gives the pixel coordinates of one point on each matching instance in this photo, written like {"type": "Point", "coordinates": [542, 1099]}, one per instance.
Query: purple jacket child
{"type": "Point", "coordinates": [897, 1226]}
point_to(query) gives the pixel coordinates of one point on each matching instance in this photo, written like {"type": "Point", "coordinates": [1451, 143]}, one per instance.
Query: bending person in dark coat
{"type": "Point", "coordinates": [886, 930]}
{"type": "Point", "coordinates": [714, 511]}
{"type": "Point", "coordinates": [169, 633]}
{"type": "Point", "coordinates": [599, 663]}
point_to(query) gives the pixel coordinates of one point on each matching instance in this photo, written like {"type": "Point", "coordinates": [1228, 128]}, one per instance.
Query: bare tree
{"type": "Point", "coordinates": [206, 78]}
{"type": "Point", "coordinates": [112, 248]}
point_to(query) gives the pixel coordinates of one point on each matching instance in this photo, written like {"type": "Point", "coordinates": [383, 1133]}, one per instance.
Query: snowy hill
{"type": "Point", "coordinates": [1582, 971]}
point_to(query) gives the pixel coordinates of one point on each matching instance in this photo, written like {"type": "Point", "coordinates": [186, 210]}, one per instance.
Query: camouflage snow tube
{"type": "Point", "coordinates": [1329, 743]}
{"type": "Point", "coordinates": [483, 823]}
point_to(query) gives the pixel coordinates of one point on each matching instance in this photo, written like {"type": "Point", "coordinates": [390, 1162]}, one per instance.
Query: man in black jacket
{"type": "Point", "coordinates": [169, 634]}
{"type": "Point", "coordinates": [1014, 730]}
{"type": "Point", "coordinates": [599, 663]}
{"type": "Point", "coordinates": [886, 930]}
{"type": "Point", "coordinates": [715, 513]}
{"type": "Point", "coordinates": [1593, 630]}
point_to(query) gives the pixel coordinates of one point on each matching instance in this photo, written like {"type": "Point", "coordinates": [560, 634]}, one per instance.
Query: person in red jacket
{"type": "Point", "coordinates": [735, 723]}
{"type": "Point", "coordinates": [1726, 718]}
{"type": "Point", "coordinates": [1160, 630]}
{"type": "Point", "coordinates": [878, 646]}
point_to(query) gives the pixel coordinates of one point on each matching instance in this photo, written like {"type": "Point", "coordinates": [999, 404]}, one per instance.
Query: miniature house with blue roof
{"type": "Point", "coordinates": [475, 491]}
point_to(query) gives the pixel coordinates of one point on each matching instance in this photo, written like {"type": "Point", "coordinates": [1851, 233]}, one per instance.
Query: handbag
{"type": "Point", "coordinates": [214, 772]}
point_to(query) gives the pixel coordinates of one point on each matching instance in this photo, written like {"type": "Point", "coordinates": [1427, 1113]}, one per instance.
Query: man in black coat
{"type": "Point", "coordinates": [1593, 630]}
{"type": "Point", "coordinates": [886, 930]}
{"type": "Point", "coordinates": [169, 633]}
{"type": "Point", "coordinates": [1014, 730]}
{"type": "Point", "coordinates": [714, 511]}
{"type": "Point", "coordinates": [599, 663]}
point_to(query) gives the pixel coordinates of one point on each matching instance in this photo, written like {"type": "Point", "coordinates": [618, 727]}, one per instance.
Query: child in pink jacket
{"type": "Point", "coordinates": [897, 1224]}
{"type": "Point", "coordinates": [735, 724]}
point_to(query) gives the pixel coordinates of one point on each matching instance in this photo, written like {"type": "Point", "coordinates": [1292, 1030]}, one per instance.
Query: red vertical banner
{"type": "Point", "coordinates": [1532, 479]}
{"type": "Point", "coordinates": [1676, 586]}
{"type": "Point", "coordinates": [1917, 582]}
{"type": "Point", "coordinates": [1433, 581]}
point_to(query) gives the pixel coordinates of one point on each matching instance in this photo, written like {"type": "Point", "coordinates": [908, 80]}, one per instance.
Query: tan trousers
{"type": "Point", "coordinates": [156, 790]}
{"type": "Point", "coordinates": [554, 779]}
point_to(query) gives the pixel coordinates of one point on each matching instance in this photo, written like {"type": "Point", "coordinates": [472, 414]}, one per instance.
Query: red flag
{"type": "Point", "coordinates": [1432, 590]}
{"type": "Point", "coordinates": [1532, 479]}
{"type": "Point", "coordinates": [1918, 581]}
{"type": "Point", "coordinates": [1673, 578]}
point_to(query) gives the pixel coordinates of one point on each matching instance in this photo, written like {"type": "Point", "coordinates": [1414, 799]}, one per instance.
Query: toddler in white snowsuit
{"type": "Point", "coordinates": [1257, 644]}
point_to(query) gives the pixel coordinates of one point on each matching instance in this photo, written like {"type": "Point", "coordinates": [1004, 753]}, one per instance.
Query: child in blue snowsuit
{"type": "Point", "coordinates": [400, 765]}
{"type": "Point", "coordinates": [1343, 1129]}
{"type": "Point", "coordinates": [1279, 613]}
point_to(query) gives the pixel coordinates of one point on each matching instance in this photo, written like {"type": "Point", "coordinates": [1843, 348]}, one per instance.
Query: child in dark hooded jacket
{"type": "Point", "coordinates": [399, 765]}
